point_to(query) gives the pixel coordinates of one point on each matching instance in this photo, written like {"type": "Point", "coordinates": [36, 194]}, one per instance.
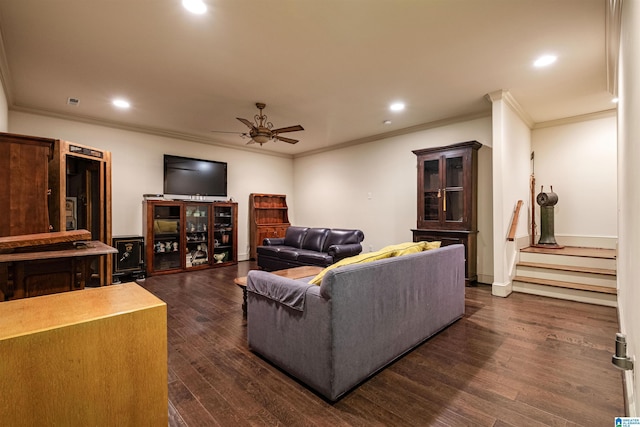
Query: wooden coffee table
{"type": "Point", "coordinates": [290, 273]}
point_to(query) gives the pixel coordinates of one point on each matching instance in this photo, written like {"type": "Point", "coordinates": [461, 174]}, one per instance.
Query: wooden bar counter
{"type": "Point", "coordinates": [46, 263]}
{"type": "Point", "coordinates": [95, 357]}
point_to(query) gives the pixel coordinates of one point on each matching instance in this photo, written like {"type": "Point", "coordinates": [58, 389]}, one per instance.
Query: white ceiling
{"type": "Point", "coordinates": [332, 66]}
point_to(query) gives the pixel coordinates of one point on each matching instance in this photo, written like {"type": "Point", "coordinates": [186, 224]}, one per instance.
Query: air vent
{"type": "Point", "coordinates": [73, 101]}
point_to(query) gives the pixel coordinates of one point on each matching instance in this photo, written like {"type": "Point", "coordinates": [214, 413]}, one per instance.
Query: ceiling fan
{"type": "Point", "coordinates": [262, 131]}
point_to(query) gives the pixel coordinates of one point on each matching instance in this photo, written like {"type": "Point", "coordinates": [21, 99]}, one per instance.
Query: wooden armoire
{"type": "Point", "coordinates": [448, 199]}
{"type": "Point", "coordinates": [51, 185]}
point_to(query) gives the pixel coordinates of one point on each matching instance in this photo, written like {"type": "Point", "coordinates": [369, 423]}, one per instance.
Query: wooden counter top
{"type": "Point", "coordinates": [93, 247]}
{"type": "Point", "coordinates": [31, 315]}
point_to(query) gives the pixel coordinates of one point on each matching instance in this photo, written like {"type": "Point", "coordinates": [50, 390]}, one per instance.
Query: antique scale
{"type": "Point", "coordinates": [547, 201]}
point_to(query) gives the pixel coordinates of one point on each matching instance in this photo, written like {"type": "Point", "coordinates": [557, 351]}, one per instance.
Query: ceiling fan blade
{"type": "Point", "coordinates": [288, 129]}
{"type": "Point", "coordinates": [283, 139]}
{"type": "Point", "coordinates": [246, 122]}
{"type": "Point", "coordinates": [223, 131]}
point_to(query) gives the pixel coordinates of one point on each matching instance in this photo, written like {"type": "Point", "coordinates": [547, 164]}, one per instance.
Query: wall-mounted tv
{"type": "Point", "coordinates": [190, 177]}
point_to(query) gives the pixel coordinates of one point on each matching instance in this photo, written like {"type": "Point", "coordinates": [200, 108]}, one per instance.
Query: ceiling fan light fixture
{"type": "Point", "coordinates": [261, 139]}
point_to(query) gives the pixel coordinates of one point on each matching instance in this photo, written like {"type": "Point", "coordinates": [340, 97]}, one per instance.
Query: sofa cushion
{"type": "Point", "coordinates": [411, 247]}
{"type": "Point", "coordinates": [294, 236]}
{"type": "Point", "coordinates": [314, 239]}
{"type": "Point", "coordinates": [386, 252]}
{"type": "Point", "coordinates": [358, 259]}
{"type": "Point", "coordinates": [288, 253]}
{"type": "Point", "coordinates": [268, 250]}
{"type": "Point", "coordinates": [341, 237]}
{"type": "Point", "coordinates": [314, 258]}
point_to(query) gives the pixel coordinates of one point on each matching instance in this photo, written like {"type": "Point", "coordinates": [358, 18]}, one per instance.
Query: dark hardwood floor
{"type": "Point", "coordinates": [518, 361]}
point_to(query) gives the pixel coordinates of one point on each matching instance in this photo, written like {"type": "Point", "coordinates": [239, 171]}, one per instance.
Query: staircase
{"type": "Point", "coordinates": [572, 273]}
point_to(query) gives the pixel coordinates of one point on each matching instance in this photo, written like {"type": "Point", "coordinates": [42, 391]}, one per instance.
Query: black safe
{"type": "Point", "coordinates": [128, 263]}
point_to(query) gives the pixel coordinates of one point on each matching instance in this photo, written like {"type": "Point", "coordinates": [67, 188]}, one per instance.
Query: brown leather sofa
{"type": "Point", "coordinates": [309, 246]}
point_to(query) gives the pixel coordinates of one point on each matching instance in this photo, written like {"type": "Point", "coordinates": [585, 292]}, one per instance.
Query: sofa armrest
{"type": "Point", "coordinates": [273, 241]}
{"type": "Point", "coordinates": [343, 251]}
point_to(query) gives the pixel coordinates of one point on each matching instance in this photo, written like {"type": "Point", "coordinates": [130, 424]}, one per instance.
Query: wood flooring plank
{"type": "Point", "coordinates": [522, 360]}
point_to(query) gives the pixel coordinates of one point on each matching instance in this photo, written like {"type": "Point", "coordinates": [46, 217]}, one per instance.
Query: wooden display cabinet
{"type": "Point", "coordinates": [268, 217]}
{"type": "Point", "coordinates": [184, 235]}
{"type": "Point", "coordinates": [447, 198]}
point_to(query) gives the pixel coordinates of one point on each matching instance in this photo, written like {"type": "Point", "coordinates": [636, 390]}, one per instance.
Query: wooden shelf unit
{"type": "Point", "coordinates": [187, 235]}
{"type": "Point", "coordinates": [268, 217]}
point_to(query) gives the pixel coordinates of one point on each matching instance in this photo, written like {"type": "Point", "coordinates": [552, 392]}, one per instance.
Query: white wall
{"type": "Point", "coordinates": [629, 201]}
{"type": "Point", "coordinates": [372, 186]}
{"type": "Point", "coordinates": [137, 167]}
{"type": "Point", "coordinates": [579, 161]}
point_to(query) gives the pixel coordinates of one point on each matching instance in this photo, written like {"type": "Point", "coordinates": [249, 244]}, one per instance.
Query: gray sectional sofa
{"type": "Point", "coordinates": [361, 317]}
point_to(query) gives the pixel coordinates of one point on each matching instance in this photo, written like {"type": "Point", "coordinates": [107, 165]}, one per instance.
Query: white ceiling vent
{"type": "Point", "coordinates": [73, 101]}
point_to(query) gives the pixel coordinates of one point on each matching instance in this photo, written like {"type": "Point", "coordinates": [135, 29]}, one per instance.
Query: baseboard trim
{"type": "Point", "coordinates": [501, 289]}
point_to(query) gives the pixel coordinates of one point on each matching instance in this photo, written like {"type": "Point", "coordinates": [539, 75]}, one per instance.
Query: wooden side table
{"type": "Point", "coordinates": [290, 273]}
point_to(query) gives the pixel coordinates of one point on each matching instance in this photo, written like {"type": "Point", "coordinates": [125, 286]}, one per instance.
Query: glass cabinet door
{"type": "Point", "coordinates": [431, 189]}
{"type": "Point", "coordinates": [453, 205]}
{"type": "Point", "coordinates": [223, 234]}
{"type": "Point", "coordinates": [166, 237]}
{"type": "Point", "coordinates": [197, 235]}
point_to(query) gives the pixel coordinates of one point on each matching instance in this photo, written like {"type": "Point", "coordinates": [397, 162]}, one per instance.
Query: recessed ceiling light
{"type": "Point", "coordinates": [397, 106]}
{"type": "Point", "coordinates": [386, 122]}
{"type": "Point", "coordinates": [121, 103]}
{"type": "Point", "coordinates": [545, 60]}
{"type": "Point", "coordinates": [195, 6]}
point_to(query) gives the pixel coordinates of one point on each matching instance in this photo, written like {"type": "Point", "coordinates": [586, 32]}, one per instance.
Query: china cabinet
{"type": "Point", "coordinates": [185, 235]}
{"type": "Point", "coordinates": [447, 198]}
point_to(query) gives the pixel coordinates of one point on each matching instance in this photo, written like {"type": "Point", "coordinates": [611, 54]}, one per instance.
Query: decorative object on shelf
{"type": "Point", "coordinates": [448, 200]}
{"type": "Point", "coordinates": [71, 213]}
{"type": "Point", "coordinates": [219, 257]}
{"type": "Point", "coordinates": [547, 201]}
{"type": "Point", "coordinates": [262, 130]}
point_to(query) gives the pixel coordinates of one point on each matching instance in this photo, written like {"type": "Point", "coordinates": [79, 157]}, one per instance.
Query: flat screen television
{"type": "Point", "coordinates": [190, 177]}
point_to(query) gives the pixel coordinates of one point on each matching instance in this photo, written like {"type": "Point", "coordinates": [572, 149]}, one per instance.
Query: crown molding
{"type": "Point", "coordinates": [398, 132]}
{"type": "Point", "coordinates": [143, 129]}
{"type": "Point", "coordinates": [505, 95]}
{"type": "Point", "coordinates": [576, 119]}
